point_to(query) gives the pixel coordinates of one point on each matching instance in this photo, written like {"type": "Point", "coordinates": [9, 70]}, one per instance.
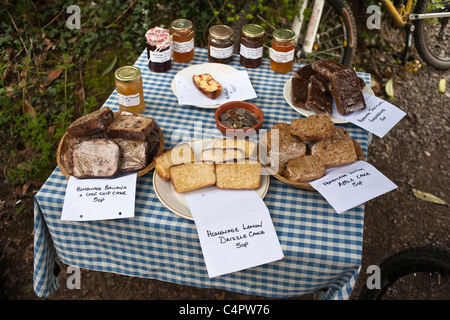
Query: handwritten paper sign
{"type": "Point", "coordinates": [99, 199]}
{"type": "Point", "coordinates": [379, 117]}
{"type": "Point", "coordinates": [235, 87]}
{"type": "Point", "coordinates": [235, 230]}
{"type": "Point", "coordinates": [348, 186]}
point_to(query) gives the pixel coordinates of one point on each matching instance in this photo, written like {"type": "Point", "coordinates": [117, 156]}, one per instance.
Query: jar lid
{"type": "Point", "coordinates": [252, 30]}
{"type": "Point", "coordinates": [156, 36]}
{"type": "Point", "coordinates": [181, 25]}
{"type": "Point", "coordinates": [127, 73]}
{"type": "Point", "coordinates": [283, 35]}
{"type": "Point", "coordinates": [220, 32]}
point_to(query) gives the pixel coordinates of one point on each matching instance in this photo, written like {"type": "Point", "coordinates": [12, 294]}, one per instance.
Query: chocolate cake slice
{"type": "Point", "coordinates": [300, 82]}
{"type": "Point", "coordinates": [346, 92]}
{"type": "Point", "coordinates": [319, 98]}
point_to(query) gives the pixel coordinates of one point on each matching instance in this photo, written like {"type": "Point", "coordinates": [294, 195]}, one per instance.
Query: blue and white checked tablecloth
{"type": "Point", "coordinates": [322, 248]}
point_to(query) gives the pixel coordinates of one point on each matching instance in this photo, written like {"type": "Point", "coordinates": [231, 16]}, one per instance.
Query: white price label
{"type": "Point", "coordinates": [130, 100]}
{"type": "Point", "coordinates": [281, 57]}
{"type": "Point", "coordinates": [251, 53]}
{"type": "Point", "coordinates": [183, 47]}
{"type": "Point", "coordinates": [220, 53]}
{"type": "Point", "coordinates": [160, 56]}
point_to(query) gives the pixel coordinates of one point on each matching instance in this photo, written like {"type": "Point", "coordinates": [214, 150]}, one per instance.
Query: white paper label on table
{"type": "Point", "coordinates": [350, 185]}
{"type": "Point", "coordinates": [235, 229]}
{"type": "Point", "coordinates": [379, 116]}
{"type": "Point", "coordinates": [236, 86]}
{"type": "Point", "coordinates": [99, 199]}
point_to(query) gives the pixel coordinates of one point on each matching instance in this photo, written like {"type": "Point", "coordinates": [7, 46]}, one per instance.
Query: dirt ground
{"type": "Point", "coordinates": [414, 155]}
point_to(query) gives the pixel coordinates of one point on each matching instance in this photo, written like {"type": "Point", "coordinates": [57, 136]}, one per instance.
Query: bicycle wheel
{"type": "Point", "coordinates": [414, 274]}
{"type": "Point", "coordinates": [336, 37]}
{"type": "Point", "coordinates": [432, 36]}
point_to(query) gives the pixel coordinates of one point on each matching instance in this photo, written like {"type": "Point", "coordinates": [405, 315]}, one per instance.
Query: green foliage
{"type": "Point", "coordinates": [52, 74]}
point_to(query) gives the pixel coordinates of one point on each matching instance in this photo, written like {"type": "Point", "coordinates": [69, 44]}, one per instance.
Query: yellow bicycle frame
{"type": "Point", "coordinates": [401, 17]}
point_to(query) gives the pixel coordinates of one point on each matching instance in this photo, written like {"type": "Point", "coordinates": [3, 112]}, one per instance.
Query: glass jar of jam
{"type": "Point", "coordinates": [129, 87]}
{"type": "Point", "coordinates": [182, 32]}
{"type": "Point", "coordinates": [282, 50]}
{"type": "Point", "coordinates": [220, 44]}
{"type": "Point", "coordinates": [252, 42]}
{"type": "Point", "coordinates": [159, 49]}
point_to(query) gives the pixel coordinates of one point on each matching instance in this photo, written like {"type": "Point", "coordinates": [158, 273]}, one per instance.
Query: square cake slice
{"type": "Point", "coordinates": [131, 127]}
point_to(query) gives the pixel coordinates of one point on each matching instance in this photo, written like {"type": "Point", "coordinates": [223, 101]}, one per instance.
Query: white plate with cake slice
{"type": "Point", "coordinates": [287, 96]}
{"type": "Point", "coordinates": [215, 69]}
{"type": "Point", "coordinates": [176, 202]}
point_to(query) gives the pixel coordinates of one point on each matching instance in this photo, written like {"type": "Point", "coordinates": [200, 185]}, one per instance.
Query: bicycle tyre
{"type": "Point", "coordinates": [423, 38]}
{"type": "Point", "coordinates": [407, 262]}
{"type": "Point", "coordinates": [342, 50]}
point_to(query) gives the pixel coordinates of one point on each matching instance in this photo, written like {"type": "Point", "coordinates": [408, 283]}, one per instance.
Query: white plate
{"type": "Point", "coordinates": [217, 69]}
{"type": "Point", "coordinates": [287, 96]}
{"type": "Point", "coordinates": [176, 202]}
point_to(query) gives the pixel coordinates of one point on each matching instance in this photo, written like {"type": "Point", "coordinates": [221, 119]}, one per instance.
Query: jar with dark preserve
{"type": "Point", "coordinates": [252, 42]}
{"type": "Point", "coordinates": [182, 32]}
{"type": "Point", "coordinates": [282, 50]}
{"type": "Point", "coordinates": [129, 87]}
{"type": "Point", "coordinates": [159, 49]}
{"type": "Point", "coordinates": [220, 44]}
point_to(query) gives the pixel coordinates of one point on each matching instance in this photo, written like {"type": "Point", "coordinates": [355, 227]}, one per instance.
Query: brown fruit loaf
{"type": "Point", "coordinates": [91, 123]}
{"type": "Point", "coordinates": [206, 84]}
{"type": "Point", "coordinates": [135, 155]}
{"type": "Point", "coordinates": [312, 128]}
{"type": "Point", "coordinates": [97, 158]}
{"type": "Point", "coordinates": [336, 150]}
{"type": "Point", "coordinates": [131, 127]}
{"type": "Point", "coordinates": [304, 168]}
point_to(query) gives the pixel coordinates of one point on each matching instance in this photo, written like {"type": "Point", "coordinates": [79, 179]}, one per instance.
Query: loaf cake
{"type": "Point", "coordinates": [304, 168]}
{"type": "Point", "coordinates": [286, 152]}
{"type": "Point", "coordinates": [248, 146]}
{"type": "Point", "coordinates": [220, 155]}
{"type": "Point", "coordinates": [131, 127]}
{"type": "Point", "coordinates": [192, 176]}
{"type": "Point", "coordinates": [319, 98]}
{"type": "Point", "coordinates": [336, 150]}
{"type": "Point", "coordinates": [91, 123]}
{"type": "Point", "coordinates": [346, 92]}
{"type": "Point", "coordinates": [97, 158]}
{"type": "Point", "coordinates": [239, 175]}
{"type": "Point", "coordinates": [182, 153]}
{"type": "Point", "coordinates": [328, 67]}
{"type": "Point", "coordinates": [134, 154]}
{"type": "Point", "coordinates": [312, 128]}
{"type": "Point", "coordinates": [206, 84]}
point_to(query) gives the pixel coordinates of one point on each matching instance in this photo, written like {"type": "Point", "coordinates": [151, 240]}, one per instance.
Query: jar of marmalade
{"type": "Point", "coordinates": [159, 49]}
{"type": "Point", "coordinates": [220, 44]}
{"type": "Point", "coordinates": [130, 92]}
{"type": "Point", "coordinates": [282, 50]}
{"type": "Point", "coordinates": [252, 42]}
{"type": "Point", "coordinates": [182, 32]}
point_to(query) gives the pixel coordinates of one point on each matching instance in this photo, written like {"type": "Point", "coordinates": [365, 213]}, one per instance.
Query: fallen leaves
{"type": "Point", "coordinates": [54, 74]}
{"type": "Point", "coordinates": [428, 197]}
{"type": "Point", "coordinates": [442, 85]}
